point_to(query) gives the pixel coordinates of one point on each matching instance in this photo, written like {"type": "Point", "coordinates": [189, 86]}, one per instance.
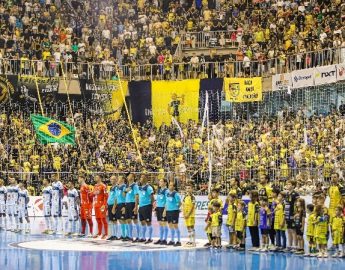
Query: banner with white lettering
{"type": "Point", "coordinates": [340, 72]}
{"type": "Point", "coordinates": [281, 81]}
{"type": "Point", "coordinates": [325, 75]}
{"type": "Point", "coordinates": [303, 78]}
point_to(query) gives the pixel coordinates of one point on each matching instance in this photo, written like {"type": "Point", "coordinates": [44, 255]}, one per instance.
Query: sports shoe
{"type": "Point", "coordinates": [148, 241]}
{"type": "Point", "coordinates": [111, 238]}
{"type": "Point", "coordinates": [89, 236]}
{"type": "Point", "coordinates": [142, 240]}
{"type": "Point", "coordinates": [81, 235]}
{"type": "Point", "coordinates": [51, 232]}
{"type": "Point", "coordinates": [135, 240]}
{"type": "Point", "coordinates": [164, 242]}
{"type": "Point", "coordinates": [28, 231]}
{"type": "Point", "coordinates": [336, 254]}
{"type": "Point", "coordinates": [177, 244]}
{"type": "Point", "coordinates": [325, 255]}
{"type": "Point", "coordinates": [45, 232]}
{"type": "Point", "coordinates": [68, 234]}
{"type": "Point", "coordinates": [158, 242]}
{"type": "Point", "coordinates": [75, 234]}
{"type": "Point", "coordinates": [171, 243]}
{"type": "Point", "coordinates": [207, 245]}
{"type": "Point", "coordinates": [96, 236]}
{"type": "Point", "coordinates": [320, 255]}
{"type": "Point", "coordinates": [104, 237]}
{"type": "Point", "coordinates": [341, 255]}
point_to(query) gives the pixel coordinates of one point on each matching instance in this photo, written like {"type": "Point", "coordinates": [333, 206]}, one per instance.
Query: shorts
{"type": "Point", "coordinates": [86, 211]}
{"type": "Point", "coordinates": [290, 224]}
{"type": "Point", "coordinates": [56, 209]}
{"type": "Point", "coordinates": [111, 216]}
{"type": "Point", "coordinates": [145, 213]}
{"type": "Point", "coordinates": [190, 222]}
{"type": "Point", "coordinates": [216, 231]}
{"type": "Point", "coordinates": [130, 211]}
{"type": "Point", "coordinates": [100, 211]}
{"type": "Point", "coordinates": [230, 228]}
{"type": "Point", "coordinates": [73, 214]}
{"type": "Point", "coordinates": [239, 235]}
{"type": "Point", "coordinates": [47, 210]}
{"type": "Point", "coordinates": [173, 216]}
{"type": "Point", "coordinates": [159, 213]}
{"type": "Point", "coordinates": [321, 240]}
{"type": "Point", "coordinates": [12, 210]}
{"type": "Point", "coordinates": [2, 209]}
{"type": "Point", "coordinates": [23, 212]}
{"type": "Point", "coordinates": [299, 231]}
{"type": "Point", "coordinates": [120, 211]}
{"type": "Point", "coordinates": [265, 231]}
{"type": "Point", "coordinates": [337, 237]}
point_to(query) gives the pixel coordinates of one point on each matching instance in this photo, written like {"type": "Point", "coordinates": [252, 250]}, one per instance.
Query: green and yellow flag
{"type": "Point", "coordinates": [52, 131]}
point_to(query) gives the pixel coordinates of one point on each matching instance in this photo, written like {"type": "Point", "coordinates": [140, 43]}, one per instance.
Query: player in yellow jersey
{"type": "Point", "coordinates": [335, 192]}
{"type": "Point", "coordinates": [279, 223]}
{"type": "Point", "coordinates": [215, 223]}
{"type": "Point", "coordinates": [240, 226]}
{"type": "Point", "coordinates": [230, 223]}
{"type": "Point", "coordinates": [213, 198]}
{"type": "Point", "coordinates": [321, 230]}
{"type": "Point", "coordinates": [252, 219]}
{"type": "Point", "coordinates": [337, 225]}
{"type": "Point", "coordinates": [311, 230]}
{"type": "Point", "coordinates": [188, 208]}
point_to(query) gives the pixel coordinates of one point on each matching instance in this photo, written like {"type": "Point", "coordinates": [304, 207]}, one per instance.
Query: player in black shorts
{"type": "Point", "coordinates": [290, 201]}
{"type": "Point", "coordinates": [132, 202]}
{"type": "Point", "coordinates": [160, 213]}
{"type": "Point", "coordinates": [111, 209]}
{"type": "Point", "coordinates": [121, 206]}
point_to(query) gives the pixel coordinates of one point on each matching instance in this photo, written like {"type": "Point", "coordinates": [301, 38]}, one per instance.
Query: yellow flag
{"type": "Point", "coordinates": [243, 89]}
{"type": "Point", "coordinates": [178, 99]}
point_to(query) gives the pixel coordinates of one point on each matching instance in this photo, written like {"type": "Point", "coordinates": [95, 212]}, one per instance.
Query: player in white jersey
{"type": "Point", "coordinates": [73, 208]}
{"type": "Point", "coordinates": [3, 193]}
{"type": "Point", "coordinates": [57, 195]}
{"type": "Point", "coordinates": [23, 208]}
{"type": "Point", "coordinates": [12, 205]}
{"type": "Point", "coordinates": [47, 206]}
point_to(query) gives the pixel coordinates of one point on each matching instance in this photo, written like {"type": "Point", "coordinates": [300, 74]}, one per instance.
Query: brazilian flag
{"type": "Point", "coordinates": [52, 131]}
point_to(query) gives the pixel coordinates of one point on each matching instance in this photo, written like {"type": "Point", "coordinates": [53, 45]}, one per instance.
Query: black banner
{"type": "Point", "coordinates": [141, 103]}
{"type": "Point", "coordinates": [48, 88]}
{"type": "Point", "coordinates": [8, 87]}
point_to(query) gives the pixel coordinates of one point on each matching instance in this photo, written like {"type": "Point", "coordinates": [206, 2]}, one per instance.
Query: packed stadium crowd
{"type": "Point", "coordinates": [307, 148]}
{"type": "Point", "coordinates": [142, 32]}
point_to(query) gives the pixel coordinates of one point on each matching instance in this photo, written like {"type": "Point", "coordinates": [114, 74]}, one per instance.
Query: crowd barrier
{"type": "Point", "coordinates": [177, 70]}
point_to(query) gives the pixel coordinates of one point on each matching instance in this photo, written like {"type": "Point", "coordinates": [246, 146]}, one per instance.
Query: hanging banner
{"type": "Point", "coordinates": [340, 72]}
{"type": "Point", "coordinates": [48, 88]}
{"type": "Point", "coordinates": [106, 97]}
{"type": "Point", "coordinates": [178, 99]}
{"type": "Point", "coordinates": [325, 75]}
{"type": "Point", "coordinates": [8, 87]}
{"type": "Point", "coordinates": [302, 78]}
{"type": "Point", "coordinates": [214, 88]}
{"type": "Point", "coordinates": [243, 89]}
{"type": "Point", "coordinates": [140, 100]}
{"type": "Point", "coordinates": [281, 82]}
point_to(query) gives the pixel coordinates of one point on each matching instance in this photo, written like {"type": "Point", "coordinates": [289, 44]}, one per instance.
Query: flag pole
{"type": "Point", "coordinates": [128, 116]}
{"type": "Point", "coordinates": [209, 150]}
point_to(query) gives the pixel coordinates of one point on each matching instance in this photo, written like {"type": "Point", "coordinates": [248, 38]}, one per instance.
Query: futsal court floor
{"type": "Point", "coordinates": [37, 251]}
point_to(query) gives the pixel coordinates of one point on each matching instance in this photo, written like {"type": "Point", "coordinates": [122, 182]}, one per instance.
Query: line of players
{"type": "Point", "coordinates": [125, 211]}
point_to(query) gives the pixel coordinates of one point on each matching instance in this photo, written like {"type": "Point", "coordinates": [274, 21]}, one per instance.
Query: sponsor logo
{"type": "Point", "coordinates": [301, 78]}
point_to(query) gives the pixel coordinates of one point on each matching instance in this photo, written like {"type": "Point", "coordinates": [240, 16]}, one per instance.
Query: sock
{"type": "Point", "coordinates": [193, 236]}
{"type": "Point", "coordinates": [123, 230]}
{"type": "Point", "coordinates": [114, 225]}
{"type": "Point", "coordinates": [161, 233]}
{"type": "Point", "coordinates": [143, 231]}
{"type": "Point", "coordinates": [48, 225]}
{"type": "Point", "coordinates": [90, 222]}
{"type": "Point", "coordinates": [83, 226]}
{"type": "Point", "coordinates": [150, 231]}
{"type": "Point", "coordinates": [178, 233]}
{"type": "Point", "coordinates": [118, 228]}
{"type": "Point", "coordinates": [190, 235]}
{"type": "Point", "coordinates": [130, 230]}
{"type": "Point", "coordinates": [99, 225]}
{"type": "Point", "coordinates": [172, 231]}
{"type": "Point", "coordinates": [137, 228]}
{"type": "Point", "coordinates": [166, 231]}
{"type": "Point", "coordinates": [105, 224]}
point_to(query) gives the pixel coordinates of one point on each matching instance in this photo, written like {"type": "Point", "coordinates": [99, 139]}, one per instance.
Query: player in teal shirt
{"type": "Point", "coordinates": [111, 209]}
{"type": "Point", "coordinates": [172, 207]}
{"type": "Point", "coordinates": [146, 200]}
{"type": "Point", "coordinates": [161, 218]}
{"type": "Point", "coordinates": [121, 205]}
{"type": "Point", "coordinates": [132, 202]}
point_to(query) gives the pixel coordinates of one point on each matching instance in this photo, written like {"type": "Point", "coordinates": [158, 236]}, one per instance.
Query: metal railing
{"type": "Point", "coordinates": [306, 177]}
{"type": "Point", "coordinates": [175, 71]}
{"type": "Point", "coordinates": [209, 39]}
